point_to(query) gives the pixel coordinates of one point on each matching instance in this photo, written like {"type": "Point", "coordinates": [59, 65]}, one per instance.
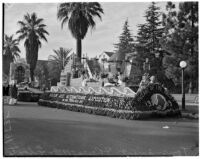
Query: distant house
{"type": "Point", "coordinates": [103, 60]}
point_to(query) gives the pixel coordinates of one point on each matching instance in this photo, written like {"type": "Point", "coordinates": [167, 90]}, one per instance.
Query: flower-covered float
{"type": "Point", "coordinates": [151, 101]}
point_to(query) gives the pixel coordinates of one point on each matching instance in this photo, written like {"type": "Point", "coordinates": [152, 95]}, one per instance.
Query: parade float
{"type": "Point", "coordinates": [117, 101]}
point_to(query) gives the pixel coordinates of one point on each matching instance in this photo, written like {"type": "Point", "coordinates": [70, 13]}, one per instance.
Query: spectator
{"type": "Point", "coordinates": [13, 94]}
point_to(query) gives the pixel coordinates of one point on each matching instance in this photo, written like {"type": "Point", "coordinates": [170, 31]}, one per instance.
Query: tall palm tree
{"type": "Point", "coordinates": [60, 58]}
{"type": "Point", "coordinates": [10, 52]}
{"type": "Point", "coordinates": [32, 30]}
{"type": "Point", "coordinates": [80, 16]}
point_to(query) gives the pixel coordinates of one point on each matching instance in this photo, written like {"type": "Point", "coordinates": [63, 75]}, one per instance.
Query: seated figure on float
{"type": "Point", "coordinates": [144, 82]}
{"type": "Point", "coordinates": [114, 80]}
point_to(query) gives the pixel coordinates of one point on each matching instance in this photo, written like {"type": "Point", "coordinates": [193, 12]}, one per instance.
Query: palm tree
{"type": "Point", "coordinates": [32, 30]}
{"type": "Point", "coordinates": [80, 16]}
{"type": "Point", "coordinates": [60, 58]}
{"type": "Point", "coordinates": [10, 52]}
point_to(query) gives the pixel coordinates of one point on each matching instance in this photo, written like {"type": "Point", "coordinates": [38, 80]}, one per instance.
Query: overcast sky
{"type": "Point", "coordinates": [96, 41]}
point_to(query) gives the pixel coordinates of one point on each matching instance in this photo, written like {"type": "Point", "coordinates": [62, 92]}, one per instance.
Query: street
{"type": "Point", "coordinates": [32, 130]}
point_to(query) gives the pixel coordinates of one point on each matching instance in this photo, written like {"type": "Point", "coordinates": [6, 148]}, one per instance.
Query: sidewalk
{"type": "Point", "coordinates": [191, 111]}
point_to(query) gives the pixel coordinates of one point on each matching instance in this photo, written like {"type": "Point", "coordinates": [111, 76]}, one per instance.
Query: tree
{"type": "Point", "coordinates": [180, 40]}
{"type": "Point", "coordinates": [32, 30]}
{"type": "Point", "coordinates": [80, 17]}
{"type": "Point", "coordinates": [125, 44]}
{"type": "Point", "coordinates": [148, 37]}
{"type": "Point", "coordinates": [60, 58]}
{"type": "Point", "coordinates": [10, 52]}
{"type": "Point", "coordinates": [42, 72]}
{"type": "Point", "coordinates": [54, 72]}
{"type": "Point", "coordinates": [56, 63]}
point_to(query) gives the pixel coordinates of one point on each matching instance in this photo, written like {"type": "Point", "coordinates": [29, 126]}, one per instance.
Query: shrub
{"type": "Point", "coordinates": [28, 97]}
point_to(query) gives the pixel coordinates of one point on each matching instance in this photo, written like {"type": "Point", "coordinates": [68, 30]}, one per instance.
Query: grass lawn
{"type": "Point", "coordinates": [189, 98]}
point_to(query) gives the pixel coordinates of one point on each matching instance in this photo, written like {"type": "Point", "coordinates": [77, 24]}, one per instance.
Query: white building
{"type": "Point", "coordinates": [104, 58]}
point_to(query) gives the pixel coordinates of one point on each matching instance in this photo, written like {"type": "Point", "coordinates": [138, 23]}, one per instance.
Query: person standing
{"type": "Point", "coordinates": [13, 94]}
{"type": "Point", "coordinates": [15, 90]}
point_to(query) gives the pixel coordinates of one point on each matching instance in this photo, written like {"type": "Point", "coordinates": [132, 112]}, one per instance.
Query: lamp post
{"type": "Point", "coordinates": [183, 65]}
{"type": "Point", "coordinates": [96, 64]}
{"type": "Point", "coordinates": [84, 58]}
{"type": "Point", "coordinates": [125, 68]}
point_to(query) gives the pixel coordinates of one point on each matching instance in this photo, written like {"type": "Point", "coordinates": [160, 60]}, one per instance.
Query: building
{"type": "Point", "coordinates": [104, 60]}
{"type": "Point", "coordinates": [19, 71]}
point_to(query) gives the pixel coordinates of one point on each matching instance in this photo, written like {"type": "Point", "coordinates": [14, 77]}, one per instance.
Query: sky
{"type": "Point", "coordinates": [100, 39]}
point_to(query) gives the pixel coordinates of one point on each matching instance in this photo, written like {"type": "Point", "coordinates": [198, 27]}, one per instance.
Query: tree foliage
{"type": "Point", "coordinates": [32, 30]}
{"type": "Point", "coordinates": [80, 17]}
{"type": "Point", "coordinates": [60, 58]}
{"type": "Point", "coordinates": [54, 72]}
{"type": "Point", "coordinates": [10, 52]}
{"type": "Point", "coordinates": [42, 72]}
{"type": "Point", "coordinates": [180, 40]}
{"type": "Point", "coordinates": [56, 63]}
{"type": "Point", "coordinates": [148, 37]}
{"type": "Point", "coordinates": [124, 46]}
{"type": "Point", "coordinates": [150, 32]}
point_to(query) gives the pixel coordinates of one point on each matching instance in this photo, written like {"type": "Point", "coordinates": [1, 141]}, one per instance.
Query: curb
{"type": "Point", "coordinates": [190, 115]}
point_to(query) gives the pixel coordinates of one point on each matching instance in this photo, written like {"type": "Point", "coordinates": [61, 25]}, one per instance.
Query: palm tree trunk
{"type": "Point", "coordinates": [78, 49]}
{"type": "Point", "coordinates": [32, 74]}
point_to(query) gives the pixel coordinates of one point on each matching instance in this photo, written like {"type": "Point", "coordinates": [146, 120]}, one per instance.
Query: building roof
{"type": "Point", "coordinates": [109, 53]}
{"type": "Point", "coordinates": [114, 57]}
{"type": "Point", "coordinates": [119, 57]}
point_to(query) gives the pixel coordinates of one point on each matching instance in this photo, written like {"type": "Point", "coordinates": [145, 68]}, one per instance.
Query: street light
{"type": "Point", "coordinates": [183, 65]}
{"type": "Point", "coordinates": [84, 60]}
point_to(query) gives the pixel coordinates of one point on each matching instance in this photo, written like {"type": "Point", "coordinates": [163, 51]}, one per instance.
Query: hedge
{"type": "Point", "coordinates": [28, 96]}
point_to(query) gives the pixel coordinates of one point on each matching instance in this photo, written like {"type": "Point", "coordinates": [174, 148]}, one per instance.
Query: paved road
{"type": "Point", "coordinates": [34, 130]}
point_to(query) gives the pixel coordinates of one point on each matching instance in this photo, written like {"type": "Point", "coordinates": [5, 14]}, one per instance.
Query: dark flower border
{"type": "Point", "coordinates": [122, 114]}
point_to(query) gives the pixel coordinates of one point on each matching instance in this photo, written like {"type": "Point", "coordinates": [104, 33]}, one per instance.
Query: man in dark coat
{"type": "Point", "coordinates": [13, 94]}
